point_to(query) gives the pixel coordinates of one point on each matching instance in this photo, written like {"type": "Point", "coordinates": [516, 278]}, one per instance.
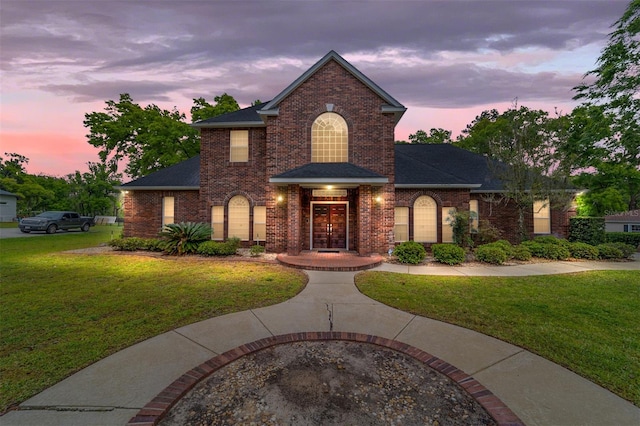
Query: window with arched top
{"type": "Point", "coordinates": [329, 139]}
{"type": "Point", "coordinates": [425, 220]}
{"type": "Point", "coordinates": [239, 217]}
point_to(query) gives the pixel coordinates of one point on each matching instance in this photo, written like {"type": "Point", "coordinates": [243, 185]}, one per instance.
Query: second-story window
{"type": "Point", "coordinates": [239, 146]}
{"type": "Point", "coordinates": [329, 139]}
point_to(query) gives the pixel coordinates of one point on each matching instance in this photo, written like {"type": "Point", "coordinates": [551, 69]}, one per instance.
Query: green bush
{"type": "Point", "coordinates": [550, 239]}
{"type": "Point", "coordinates": [217, 248]}
{"type": "Point", "coordinates": [410, 252]}
{"type": "Point", "coordinates": [548, 248]}
{"type": "Point", "coordinates": [491, 254]}
{"type": "Point", "coordinates": [185, 237]}
{"type": "Point", "coordinates": [450, 254]}
{"type": "Point", "coordinates": [486, 233]}
{"type": "Point", "coordinates": [521, 252]}
{"type": "Point", "coordinates": [461, 229]}
{"type": "Point", "coordinates": [233, 242]}
{"type": "Point", "coordinates": [631, 238]}
{"type": "Point", "coordinates": [136, 243]}
{"type": "Point", "coordinates": [609, 251]}
{"type": "Point", "coordinates": [588, 230]}
{"type": "Point", "coordinates": [626, 249]}
{"type": "Point", "coordinates": [583, 251]}
{"type": "Point", "coordinates": [256, 250]}
{"type": "Point", "coordinates": [505, 245]}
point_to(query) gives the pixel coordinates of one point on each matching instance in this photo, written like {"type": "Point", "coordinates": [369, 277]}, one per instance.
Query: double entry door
{"type": "Point", "coordinates": [329, 230]}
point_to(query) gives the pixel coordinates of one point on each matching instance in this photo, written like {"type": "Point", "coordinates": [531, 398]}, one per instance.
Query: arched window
{"type": "Point", "coordinates": [329, 139]}
{"type": "Point", "coordinates": [239, 217]}
{"type": "Point", "coordinates": [425, 220]}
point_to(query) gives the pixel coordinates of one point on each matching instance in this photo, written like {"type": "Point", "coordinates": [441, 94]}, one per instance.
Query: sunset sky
{"type": "Point", "coordinates": [446, 61]}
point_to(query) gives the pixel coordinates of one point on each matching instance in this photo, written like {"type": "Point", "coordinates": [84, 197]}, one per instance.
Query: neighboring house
{"type": "Point", "coordinates": [7, 206]}
{"type": "Point", "coordinates": [623, 222]}
{"type": "Point", "coordinates": [317, 168]}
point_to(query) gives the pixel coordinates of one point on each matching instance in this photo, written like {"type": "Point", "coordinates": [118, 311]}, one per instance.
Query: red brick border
{"type": "Point", "coordinates": [159, 406]}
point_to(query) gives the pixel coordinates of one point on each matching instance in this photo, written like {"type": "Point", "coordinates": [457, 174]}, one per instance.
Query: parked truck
{"type": "Point", "coordinates": [51, 221]}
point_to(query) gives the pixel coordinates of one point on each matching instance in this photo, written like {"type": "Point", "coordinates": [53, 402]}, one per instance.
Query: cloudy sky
{"type": "Point", "coordinates": [446, 61]}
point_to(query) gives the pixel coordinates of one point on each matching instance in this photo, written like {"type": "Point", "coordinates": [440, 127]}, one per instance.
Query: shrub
{"type": "Point", "coordinates": [256, 250]}
{"type": "Point", "coordinates": [550, 239]}
{"type": "Point", "coordinates": [505, 246]}
{"type": "Point", "coordinates": [450, 254]}
{"type": "Point", "coordinates": [461, 229]}
{"type": "Point", "coordinates": [217, 248]}
{"type": "Point", "coordinates": [487, 233]}
{"type": "Point", "coordinates": [608, 251]}
{"type": "Point", "coordinates": [185, 237]}
{"type": "Point", "coordinates": [135, 243]}
{"type": "Point", "coordinates": [583, 251]}
{"type": "Point", "coordinates": [491, 254]}
{"type": "Point", "coordinates": [548, 248]}
{"type": "Point", "coordinates": [233, 242]}
{"type": "Point", "coordinates": [588, 230]}
{"type": "Point", "coordinates": [626, 249]}
{"type": "Point", "coordinates": [631, 238]}
{"type": "Point", "coordinates": [410, 252]}
{"type": "Point", "coordinates": [521, 252]}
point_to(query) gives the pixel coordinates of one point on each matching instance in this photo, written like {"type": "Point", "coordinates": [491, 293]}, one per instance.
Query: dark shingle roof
{"type": "Point", "coordinates": [329, 173]}
{"type": "Point", "coordinates": [245, 116]}
{"type": "Point", "coordinates": [445, 165]}
{"type": "Point", "coordinates": [184, 175]}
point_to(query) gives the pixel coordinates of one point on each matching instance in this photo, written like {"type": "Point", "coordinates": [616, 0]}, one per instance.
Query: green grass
{"type": "Point", "coordinates": [60, 312]}
{"type": "Point", "coordinates": [588, 322]}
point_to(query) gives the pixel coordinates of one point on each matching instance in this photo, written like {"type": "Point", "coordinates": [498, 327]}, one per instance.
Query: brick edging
{"type": "Point", "coordinates": [159, 406]}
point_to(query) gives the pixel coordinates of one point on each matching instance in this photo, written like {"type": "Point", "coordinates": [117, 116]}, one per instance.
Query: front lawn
{"type": "Point", "coordinates": [588, 322]}
{"type": "Point", "coordinates": [60, 312]}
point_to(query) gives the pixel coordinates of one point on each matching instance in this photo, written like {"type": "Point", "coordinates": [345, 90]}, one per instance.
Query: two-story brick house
{"type": "Point", "coordinates": [317, 168]}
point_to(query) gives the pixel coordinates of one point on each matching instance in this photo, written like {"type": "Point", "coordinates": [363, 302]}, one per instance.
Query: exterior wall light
{"type": "Point", "coordinates": [378, 200]}
{"type": "Point", "coordinates": [279, 199]}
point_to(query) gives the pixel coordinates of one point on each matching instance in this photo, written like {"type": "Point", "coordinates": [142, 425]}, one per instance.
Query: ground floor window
{"type": "Point", "coordinates": [239, 217]}
{"type": "Point", "coordinates": [259, 223]}
{"type": "Point", "coordinates": [448, 216]}
{"type": "Point", "coordinates": [217, 222]}
{"type": "Point", "coordinates": [425, 220]}
{"type": "Point", "coordinates": [168, 210]}
{"type": "Point", "coordinates": [401, 224]}
{"type": "Point", "coordinates": [474, 215]}
{"type": "Point", "coordinates": [541, 217]}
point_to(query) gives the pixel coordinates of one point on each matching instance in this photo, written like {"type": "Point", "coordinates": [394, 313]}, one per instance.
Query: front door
{"type": "Point", "coordinates": [329, 226]}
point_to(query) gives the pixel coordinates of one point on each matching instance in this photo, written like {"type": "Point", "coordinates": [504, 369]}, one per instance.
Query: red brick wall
{"type": "Point", "coordinates": [143, 211]}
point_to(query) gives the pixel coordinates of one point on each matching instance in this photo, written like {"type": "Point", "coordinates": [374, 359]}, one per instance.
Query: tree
{"type": "Point", "coordinates": [14, 166]}
{"type": "Point", "coordinates": [521, 148]}
{"type": "Point", "coordinates": [92, 192]}
{"type": "Point", "coordinates": [438, 135]}
{"type": "Point", "coordinates": [201, 109]}
{"type": "Point", "coordinates": [148, 139]}
{"type": "Point", "coordinates": [615, 91]}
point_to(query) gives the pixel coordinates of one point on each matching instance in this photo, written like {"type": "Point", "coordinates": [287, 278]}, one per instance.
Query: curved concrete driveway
{"type": "Point", "coordinates": [540, 392]}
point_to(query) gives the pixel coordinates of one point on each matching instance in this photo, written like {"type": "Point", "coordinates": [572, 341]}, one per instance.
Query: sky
{"type": "Point", "coordinates": [446, 61]}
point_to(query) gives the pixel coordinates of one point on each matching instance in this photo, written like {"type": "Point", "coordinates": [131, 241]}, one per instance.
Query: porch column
{"type": "Point", "coordinates": [294, 215]}
{"type": "Point", "coordinates": [364, 220]}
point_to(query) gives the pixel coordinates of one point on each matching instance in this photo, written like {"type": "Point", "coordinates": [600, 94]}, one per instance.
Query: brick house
{"type": "Point", "coordinates": [317, 168]}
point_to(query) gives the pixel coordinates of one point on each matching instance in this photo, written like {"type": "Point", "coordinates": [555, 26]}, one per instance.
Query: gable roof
{"type": "Point", "coordinates": [182, 176]}
{"type": "Point", "coordinates": [443, 165]}
{"type": "Point", "coordinates": [393, 106]}
{"type": "Point", "coordinates": [246, 117]}
{"type": "Point", "coordinates": [329, 173]}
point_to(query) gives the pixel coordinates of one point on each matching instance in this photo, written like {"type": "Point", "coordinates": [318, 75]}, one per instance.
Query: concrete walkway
{"type": "Point", "coordinates": [113, 390]}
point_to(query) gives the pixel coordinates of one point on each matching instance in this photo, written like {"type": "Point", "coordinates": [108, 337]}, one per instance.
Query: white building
{"type": "Point", "coordinates": [7, 206]}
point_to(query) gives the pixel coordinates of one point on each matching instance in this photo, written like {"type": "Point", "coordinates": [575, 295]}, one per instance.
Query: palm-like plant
{"type": "Point", "coordinates": [182, 238]}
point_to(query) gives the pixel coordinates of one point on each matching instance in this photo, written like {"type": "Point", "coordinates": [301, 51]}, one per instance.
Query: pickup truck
{"type": "Point", "coordinates": [52, 221]}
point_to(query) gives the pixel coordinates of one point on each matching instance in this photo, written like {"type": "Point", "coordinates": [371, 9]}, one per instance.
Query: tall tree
{"type": "Point", "coordinates": [520, 146]}
{"type": "Point", "coordinates": [201, 109]}
{"type": "Point", "coordinates": [434, 136]}
{"type": "Point", "coordinates": [615, 89]}
{"type": "Point", "coordinates": [92, 192]}
{"type": "Point", "coordinates": [148, 138]}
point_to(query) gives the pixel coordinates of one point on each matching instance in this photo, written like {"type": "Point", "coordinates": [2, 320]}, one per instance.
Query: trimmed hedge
{"type": "Point", "coordinates": [626, 249]}
{"type": "Point", "coordinates": [136, 243]}
{"type": "Point", "coordinates": [547, 249]}
{"type": "Point", "coordinates": [522, 253]}
{"type": "Point", "coordinates": [450, 254]}
{"type": "Point", "coordinates": [410, 252]}
{"type": "Point", "coordinates": [217, 248]}
{"type": "Point", "coordinates": [583, 251]}
{"type": "Point", "coordinates": [631, 238]}
{"type": "Point", "coordinates": [588, 230]}
{"type": "Point", "coordinates": [491, 254]}
{"type": "Point", "coordinates": [609, 251]}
